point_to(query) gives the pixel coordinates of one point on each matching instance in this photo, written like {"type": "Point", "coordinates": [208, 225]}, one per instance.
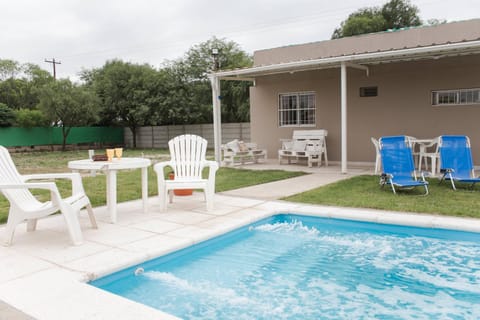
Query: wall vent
{"type": "Point", "coordinates": [368, 91]}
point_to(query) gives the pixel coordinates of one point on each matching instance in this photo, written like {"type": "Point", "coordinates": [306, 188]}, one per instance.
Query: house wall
{"type": "Point", "coordinates": [403, 104]}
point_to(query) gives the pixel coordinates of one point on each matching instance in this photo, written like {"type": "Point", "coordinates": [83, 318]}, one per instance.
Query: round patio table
{"type": "Point", "coordinates": [110, 168]}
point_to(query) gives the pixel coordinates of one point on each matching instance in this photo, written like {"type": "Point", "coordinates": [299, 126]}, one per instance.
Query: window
{"type": "Point", "coordinates": [456, 97]}
{"type": "Point", "coordinates": [296, 109]}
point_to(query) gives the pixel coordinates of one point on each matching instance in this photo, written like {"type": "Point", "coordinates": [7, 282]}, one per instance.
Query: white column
{"type": "Point", "coordinates": [217, 118]}
{"type": "Point", "coordinates": [344, 116]}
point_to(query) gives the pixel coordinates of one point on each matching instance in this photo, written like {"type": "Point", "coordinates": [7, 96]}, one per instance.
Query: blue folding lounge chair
{"type": "Point", "coordinates": [456, 160]}
{"type": "Point", "coordinates": [398, 166]}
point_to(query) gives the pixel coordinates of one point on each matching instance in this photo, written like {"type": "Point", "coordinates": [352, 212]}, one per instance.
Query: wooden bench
{"type": "Point", "coordinates": [309, 145]}
{"type": "Point", "coordinates": [239, 152]}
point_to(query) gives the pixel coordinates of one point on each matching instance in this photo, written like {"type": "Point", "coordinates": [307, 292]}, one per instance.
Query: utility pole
{"type": "Point", "coordinates": [53, 62]}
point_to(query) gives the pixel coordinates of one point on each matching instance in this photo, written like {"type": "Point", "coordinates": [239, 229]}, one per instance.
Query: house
{"type": "Point", "coordinates": [422, 82]}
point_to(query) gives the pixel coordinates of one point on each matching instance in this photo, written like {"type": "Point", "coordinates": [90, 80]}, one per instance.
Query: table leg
{"type": "Point", "coordinates": [145, 189]}
{"type": "Point", "coordinates": [112, 194]}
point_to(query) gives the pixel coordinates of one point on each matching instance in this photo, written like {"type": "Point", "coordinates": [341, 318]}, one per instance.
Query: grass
{"type": "Point", "coordinates": [129, 180]}
{"type": "Point", "coordinates": [365, 192]}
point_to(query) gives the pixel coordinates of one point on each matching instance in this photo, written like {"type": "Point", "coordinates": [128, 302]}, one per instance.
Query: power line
{"type": "Point", "coordinates": [54, 63]}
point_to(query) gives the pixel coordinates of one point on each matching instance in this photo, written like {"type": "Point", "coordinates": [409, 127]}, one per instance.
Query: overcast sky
{"type": "Point", "coordinates": [84, 34]}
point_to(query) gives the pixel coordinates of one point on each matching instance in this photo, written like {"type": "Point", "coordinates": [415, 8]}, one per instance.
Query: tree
{"type": "Point", "coordinates": [392, 15]}
{"type": "Point", "coordinates": [67, 105]}
{"type": "Point", "coordinates": [400, 14]}
{"type": "Point", "coordinates": [191, 75]}
{"type": "Point", "coordinates": [125, 92]}
{"type": "Point", "coordinates": [27, 118]}
{"type": "Point", "coordinates": [7, 116]}
{"type": "Point", "coordinates": [9, 69]}
{"type": "Point", "coordinates": [19, 88]}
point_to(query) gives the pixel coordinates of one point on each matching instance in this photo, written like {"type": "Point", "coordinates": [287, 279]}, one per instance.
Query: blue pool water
{"type": "Point", "coordinates": [299, 267]}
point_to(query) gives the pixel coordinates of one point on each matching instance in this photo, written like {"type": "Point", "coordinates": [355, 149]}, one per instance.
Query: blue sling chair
{"type": "Point", "coordinates": [456, 160]}
{"type": "Point", "coordinates": [398, 166]}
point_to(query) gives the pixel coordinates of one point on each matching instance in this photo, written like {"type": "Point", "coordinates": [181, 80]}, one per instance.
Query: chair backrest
{"type": "Point", "coordinates": [309, 134]}
{"type": "Point", "coordinates": [187, 156]}
{"type": "Point", "coordinates": [455, 153]}
{"type": "Point", "coordinates": [10, 175]}
{"type": "Point", "coordinates": [397, 158]}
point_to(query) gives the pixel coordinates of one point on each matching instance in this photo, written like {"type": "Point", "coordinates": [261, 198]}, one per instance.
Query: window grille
{"type": "Point", "coordinates": [456, 97]}
{"type": "Point", "coordinates": [296, 109]}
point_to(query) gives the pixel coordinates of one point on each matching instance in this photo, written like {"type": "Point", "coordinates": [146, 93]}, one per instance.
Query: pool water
{"type": "Point", "coordinates": [299, 267]}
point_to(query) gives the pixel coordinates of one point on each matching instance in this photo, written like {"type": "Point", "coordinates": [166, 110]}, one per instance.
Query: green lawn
{"type": "Point", "coordinates": [130, 181]}
{"type": "Point", "coordinates": [365, 192]}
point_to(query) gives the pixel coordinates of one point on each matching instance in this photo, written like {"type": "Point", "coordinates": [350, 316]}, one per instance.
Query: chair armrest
{"type": "Point", "coordinates": [213, 167]}
{"type": "Point", "coordinates": [159, 168]}
{"type": "Point", "coordinates": [74, 177]}
{"type": "Point", "coordinates": [30, 185]}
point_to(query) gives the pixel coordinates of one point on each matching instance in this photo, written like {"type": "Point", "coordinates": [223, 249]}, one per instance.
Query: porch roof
{"type": "Point", "coordinates": [430, 52]}
{"type": "Point", "coordinates": [433, 42]}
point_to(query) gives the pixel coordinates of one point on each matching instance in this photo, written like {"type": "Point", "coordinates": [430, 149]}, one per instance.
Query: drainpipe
{"type": "Point", "coordinates": [344, 115]}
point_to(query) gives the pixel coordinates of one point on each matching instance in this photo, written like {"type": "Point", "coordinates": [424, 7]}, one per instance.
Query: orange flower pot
{"type": "Point", "coordinates": [180, 192]}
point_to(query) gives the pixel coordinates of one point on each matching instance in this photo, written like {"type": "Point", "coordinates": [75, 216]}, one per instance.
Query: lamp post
{"type": "Point", "coordinates": [217, 118]}
{"type": "Point", "coordinates": [216, 64]}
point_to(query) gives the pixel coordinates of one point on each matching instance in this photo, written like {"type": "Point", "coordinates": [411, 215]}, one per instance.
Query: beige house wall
{"type": "Point", "coordinates": [403, 104]}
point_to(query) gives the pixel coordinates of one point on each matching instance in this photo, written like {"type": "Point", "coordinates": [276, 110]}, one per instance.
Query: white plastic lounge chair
{"type": "Point", "coordinates": [187, 154]}
{"type": "Point", "coordinates": [25, 207]}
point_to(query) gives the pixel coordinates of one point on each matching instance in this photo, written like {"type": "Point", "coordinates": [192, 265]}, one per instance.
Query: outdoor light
{"type": "Point", "coordinates": [216, 64]}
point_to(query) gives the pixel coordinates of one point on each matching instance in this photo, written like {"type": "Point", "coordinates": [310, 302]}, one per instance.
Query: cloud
{"type": "Point", "coordinates": [87, 33]}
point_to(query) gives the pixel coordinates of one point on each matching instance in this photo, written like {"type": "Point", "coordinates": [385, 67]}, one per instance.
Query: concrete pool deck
{"type": "Point", "coordinates": [44, 277]}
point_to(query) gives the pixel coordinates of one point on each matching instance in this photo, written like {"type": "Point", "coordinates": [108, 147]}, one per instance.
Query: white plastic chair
{"type": "Point", "coordinates": [378, 158]}
{"type": "Point", "coordinates": [25, 207]}
{"type": "Point", "coordinates": [429, 150]}
{"type": "Point", "coordinates": [187, 154]}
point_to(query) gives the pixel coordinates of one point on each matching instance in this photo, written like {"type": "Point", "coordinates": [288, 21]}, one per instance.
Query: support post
{"type": "Point", "coordinates": [217, 119]}
{"type": "Point", "coordinates": [344, 116]}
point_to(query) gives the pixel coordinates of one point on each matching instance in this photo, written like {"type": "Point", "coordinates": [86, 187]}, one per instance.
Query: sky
{"type": "Point", "coordinates": [84, 34]}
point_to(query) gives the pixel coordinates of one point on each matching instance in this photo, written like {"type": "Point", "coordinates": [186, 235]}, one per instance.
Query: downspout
{"type": "Point", "coordinates": [344, 116]}
{"type": "Point", "coordinates": [217, 120]}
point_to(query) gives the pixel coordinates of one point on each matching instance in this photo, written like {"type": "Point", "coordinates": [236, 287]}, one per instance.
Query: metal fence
{"type": "Point", "coordinates": [158, 136]}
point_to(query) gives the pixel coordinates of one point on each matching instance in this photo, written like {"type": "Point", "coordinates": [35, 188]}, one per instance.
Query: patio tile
{"type": "Point", "coordinates": [186, 217]}
{"type": "Point", "coordinates": [222, 224]}
{"type": "Point", "coordinates": [102, 263]}
{"type": "Point", "coordinates": [15, 265]}
{"type": "Point", "coordinates": [237, 201]}
{"type": "Point", "coordinates": [278, 206]}
{"type": "Point", "coordinates": [194, 234]}
{"type": "Point", "coordinates": [249, 215]}
{"type": "Point", "coordinates": [29, 294]}
{"type": "Point", "coordinates": [157, 225]}
{"type": "Point", "coordinates": [158, 245]}
{"type": "Point", "coordinates": [114, 235]}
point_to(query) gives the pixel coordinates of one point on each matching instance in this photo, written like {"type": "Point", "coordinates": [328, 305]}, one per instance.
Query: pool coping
{"type": "Point", "coordinates": [46, 278]}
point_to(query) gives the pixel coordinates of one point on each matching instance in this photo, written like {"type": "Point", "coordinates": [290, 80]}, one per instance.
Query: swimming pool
{"type": "Point", "coordinates": [293, 267]}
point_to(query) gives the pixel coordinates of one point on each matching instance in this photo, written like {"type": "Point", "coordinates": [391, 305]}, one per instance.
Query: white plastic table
{"type": "Point", "coordinates": [110, 169]}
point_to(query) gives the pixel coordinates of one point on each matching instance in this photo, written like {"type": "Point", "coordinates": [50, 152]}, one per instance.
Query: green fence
{"type": "Point", "coordinates": [15, 137]}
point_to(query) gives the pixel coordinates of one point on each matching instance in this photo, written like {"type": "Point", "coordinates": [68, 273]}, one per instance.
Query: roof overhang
{"type": "Point", "coordinates": [408, 54]}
